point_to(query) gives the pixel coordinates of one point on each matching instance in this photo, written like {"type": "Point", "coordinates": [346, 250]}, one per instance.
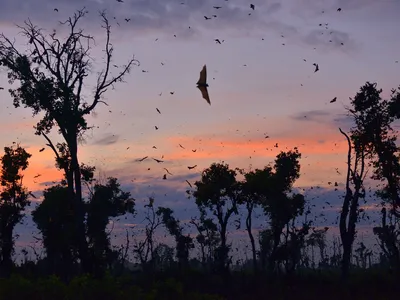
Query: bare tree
{"type": "Point", "coordinates": [51, 75]}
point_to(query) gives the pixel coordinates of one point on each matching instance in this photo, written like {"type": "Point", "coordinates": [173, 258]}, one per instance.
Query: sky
{"type": "Point", "coordinates": [261, 82]}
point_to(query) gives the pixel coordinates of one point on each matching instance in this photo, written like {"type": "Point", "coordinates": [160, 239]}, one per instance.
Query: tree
{"type": "Point", "coordinates": [207, 238]}
{"type": "Point", "coordinates": [54, 218]}
{"type": "Point", "coordinates": [251, 194]}
{"type": "Point", "coordinates": [278, 205]}
{"type": "Point", "coordinates": [13, 200]}
{"type": "Point", "coordinates": [350, 208]}
{"type": "Point", "coordinates": [51, 76]}
{"type": "Point", "coordinates": [371, 139]}
{"type": "Point", "coordinates": [144, 250]}
{"type": "Point", "coordinates": [106, 201]}
{"type": "Point", "coordinates": [183, 242]}
{"type": "Point", "coordinates": [217, 192]}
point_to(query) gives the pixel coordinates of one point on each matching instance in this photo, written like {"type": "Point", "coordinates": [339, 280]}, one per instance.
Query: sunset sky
{"type": "Point", "coordinates": [261, 78]}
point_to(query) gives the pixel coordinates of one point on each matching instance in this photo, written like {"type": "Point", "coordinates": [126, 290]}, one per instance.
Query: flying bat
{"type": "Point", "coordinates": [167, 171]}
{"type": "Point", "coordinates": [316, 67]}
{"type": "Point", "coordinates": [158, 110]}
{"type": "Point", "coordinates": [158, 160]}
{"type": "Point", "coordinates": [189, 183]}
{"type": "Point", "coordinates": [142, 159]}
{"type": "Point", "coordinates": [192, 167]}
{"type": "Point", "coordinates": [202, 84]}
{"type": "Point", "coordinates": [333, 100]}
{"type": "Point", "coordinates": [41, 150]}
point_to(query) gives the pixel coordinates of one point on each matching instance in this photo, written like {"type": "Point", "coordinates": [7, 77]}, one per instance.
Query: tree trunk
{"type": "Point", "coordinates": [79, 208]}
{"type": "Point", "coordinates": [253, 245]}
{"type": "Point", "coordinates": [6, 252]}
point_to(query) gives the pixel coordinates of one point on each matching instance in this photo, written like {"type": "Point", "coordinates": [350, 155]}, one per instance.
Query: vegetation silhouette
{"type": "Point", "coordinates": [79, 261]}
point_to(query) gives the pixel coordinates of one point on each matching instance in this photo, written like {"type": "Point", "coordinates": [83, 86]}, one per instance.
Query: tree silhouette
{"type": "Point", "coordinates": [145, 249]}
{"type": "Point", "coordinates": [372, 138]}
{"type": "Point", "coordinates": [54, 218]}
{"type": "Point", "coordinates": [350, 209]}
{"type": "Point", "coordinates": [13, 200]}
{"type": "Point", "coordinates": [183, 242]}
{"type": "Point", "coordinates": [279, 206]}
{"type": "Point", "coordinates": [388, 236]}
{"type": "Point", "coordinates": [207, 237]}
{"type": "Point", "coordinates": [252, 194]}
{"type": "Point", "coordinates": [105, 201]}
{"type": "Point", "coordinates": [217, 191]}
{"type": "Point", "coordinates": [51, 76]}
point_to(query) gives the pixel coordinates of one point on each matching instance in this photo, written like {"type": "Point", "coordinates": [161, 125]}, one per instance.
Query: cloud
{"type": "Point", "coordinates": [172, 17]}
{"type": "Point", "coordinates": [108, 139]}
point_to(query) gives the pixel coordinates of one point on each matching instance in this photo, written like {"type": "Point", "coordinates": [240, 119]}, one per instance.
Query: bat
{"type": "Point", "coordinates": [167, 171]}
{"type": "Point", "coordinates": [333, 100]}
{"type": "Point", "coordinates": [189, 183]}
{"type": "Point", "coordinates": [158, 110]}
{"type": "Point", "coordinates": [316, 67]}
{"type": "Point", "coordinates": [192, 167]}
{"type": "Point", "coordinates": [158, 160]}
{"type": "Point", "coordinates": [202, 84]}
{"type": "Point", "coordinates": [41, 150]}
{"type": "Point", "coordinates": [142, 159]}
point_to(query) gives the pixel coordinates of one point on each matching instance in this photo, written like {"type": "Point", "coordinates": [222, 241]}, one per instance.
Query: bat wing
{"type": "Point", "coordinates": [203, 76]}
{"type": "Point", "coordinates": [204, 93]}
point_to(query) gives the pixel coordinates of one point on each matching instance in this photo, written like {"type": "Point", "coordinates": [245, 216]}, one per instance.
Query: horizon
{"type": "Point", "coordinates": [262, 87]}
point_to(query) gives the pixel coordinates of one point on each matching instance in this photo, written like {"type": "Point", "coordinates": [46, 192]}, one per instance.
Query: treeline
{"type": "Point", "coordinates": [50, 78]}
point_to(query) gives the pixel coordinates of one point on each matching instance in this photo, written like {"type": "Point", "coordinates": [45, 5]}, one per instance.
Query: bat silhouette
{"type": "Point", "coordinates": [142, 159]}
{"type": "Point", "coordinates": [158, 111]}
{"type": "Point", "coordinates": [202, 84]}
{"type": "Point", "coordinates": [158, 160]}
{"type": "Point", "coordinates": [189, 183]}
{"type": "Point", "coordinates": [192, 167]}
{"type": "Point", "coordinates": [165, 177]}
{"type": "Point", "coordinates": [252, 6]}
{"type": "Point", "coordinates": [181, 146]}
{"type": "Point", "coordinates": [167, 171]}
{"type": "Point", "coordinates": [41, 150]}
{"type": "Point", "coordinates": [333, 100]}
{"type": "Point", "coordinates": [316, 67]}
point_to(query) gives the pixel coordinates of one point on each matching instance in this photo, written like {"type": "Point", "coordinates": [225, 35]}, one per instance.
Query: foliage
{"type": "Point", "coordinates": [13, 200]}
